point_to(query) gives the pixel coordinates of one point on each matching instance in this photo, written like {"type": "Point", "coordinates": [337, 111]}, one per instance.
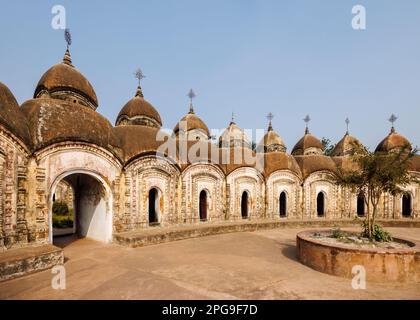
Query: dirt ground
{"type": "Point", "coordinates": [247, 265]}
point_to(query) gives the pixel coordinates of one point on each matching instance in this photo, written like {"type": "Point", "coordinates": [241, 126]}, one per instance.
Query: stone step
{"type": "Point", "coordinates": [21, 261]}
{"type": "Point", "coordinates": [162, 234]}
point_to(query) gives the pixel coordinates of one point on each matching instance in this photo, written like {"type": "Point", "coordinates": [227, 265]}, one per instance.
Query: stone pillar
{"type": "Point", "coordinates": [21, 224]}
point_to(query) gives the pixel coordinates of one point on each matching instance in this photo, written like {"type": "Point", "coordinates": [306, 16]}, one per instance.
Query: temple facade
{"type": "Point", "coordinates": [123, 177]}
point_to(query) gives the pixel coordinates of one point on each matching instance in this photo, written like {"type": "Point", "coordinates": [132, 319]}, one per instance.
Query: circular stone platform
{"type": "Point", "coordinates": [380, 264]}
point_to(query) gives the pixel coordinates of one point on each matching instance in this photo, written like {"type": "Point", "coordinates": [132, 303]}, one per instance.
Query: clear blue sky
{"type": "Point", "coordinates": [289, 57]}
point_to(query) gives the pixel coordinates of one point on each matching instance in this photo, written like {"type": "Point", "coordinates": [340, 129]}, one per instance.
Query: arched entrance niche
{"type": "Point", "coordinates": [283, 204]}
{"type": "Point", "coordinates": [406, 205]}
{"type": "Point", "coordinates": [154, 207]}
{"type": "Point", "coordinates": [320, 204]}
{"type": "Point", "coordinates": [245, 205]}
{"type": "Point", "coordinates": [203, 205]}
{"type": "Point", "coordinates": [92, 205]}
{"type": "Point", "coordinates": [361, 212]}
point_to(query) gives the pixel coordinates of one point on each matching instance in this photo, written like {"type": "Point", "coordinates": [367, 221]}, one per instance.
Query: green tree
{"type": "Point", "coordinates": [376, 173]}
{"type": "Point", "coordinates": [328, 146]}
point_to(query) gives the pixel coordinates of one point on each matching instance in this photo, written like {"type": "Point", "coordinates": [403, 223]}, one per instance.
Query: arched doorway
{"type": "Point", "coordinates": [244, 205]}
{"type": "Point", "coordinates": [283, 204]}
{"type": "Point", "coordinates": [406, 205]}
{"type": "Point", "coordinates": [361, 205]}
{"type": "Point", "coordinates": [153, 207]}
{"type": "Point", "coordinates": [203, 205]}
{"type": "Point", "coordinates": [320, 204]}
{"type": "Point", "coordinates": [63, 210]}
{"type": "Point", "coordinates": [88, 204]}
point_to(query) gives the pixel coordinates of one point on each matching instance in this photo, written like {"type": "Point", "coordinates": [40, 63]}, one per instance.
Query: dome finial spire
{"type": "Point", "coordinates": [67, 57]}
{"type": "Point", "coordinates": [139, 76]}
{"type": "Point", "coordinates": [392, 119]}
{"type": "Point", "coordinates": [191, 95]}
{"type": "Point", "coordinates": [232, 121]}
{"type": "Point", "coordinates": [347, 121]}
{"type": "Point", "coordinates": [307, 119]}
{"type": "Point", "coordinates": [270, 117]}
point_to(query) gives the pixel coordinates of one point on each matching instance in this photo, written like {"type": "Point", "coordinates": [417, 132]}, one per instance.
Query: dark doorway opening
{"type": "Point", "coordinates": [153, 206]}
{"type": "Point", "coordinates": [203, 205]}
{"type": "Point", "coordinates": [406, 205]}
{"type": "Point", "coordinates": [283, 204]}
{"type": "Point", "coordinates": [79, 210]}
{"type": "Point", "coordinates": [244, 205]}
{"type": "Point", "coordinates": [320, 204]}
{"type": "Point", "coordinates": [361, 205]}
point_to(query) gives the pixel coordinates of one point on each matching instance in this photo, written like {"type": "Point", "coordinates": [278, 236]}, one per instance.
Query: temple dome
{"type": "Point", "coordinates": [52, 120]}
{"type": "Point", "coordinates": [271, 142]}
{"type": "Point", "coordinates": [11, 116]}
{"type": "Point", "coordinates": [345, 147]}
{"type": "Point", "coordinates": [63, 81]}
{"type": "Point", "coordinates": [308, 144]}
{"type": "Point", "coordinates": [233, 136]}
{"type": "Point", "coordinates": [192, 126]}
{"type": "Point", "coordinates": [137, 140]}
{"type": "Point", "coordinates": [393, 142]}
{"type": "Point", "coordinates": [138, 111]}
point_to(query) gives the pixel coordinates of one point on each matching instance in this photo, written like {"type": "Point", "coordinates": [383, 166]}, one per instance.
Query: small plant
{"type": "Point", "coordinates": [337, 234]}
{"type": "Point", "coordinates": [60, 208]}
{"type": "Point", "coordinates": [379, 233]}
{"type": "Point", "coordinates": [62, 222]}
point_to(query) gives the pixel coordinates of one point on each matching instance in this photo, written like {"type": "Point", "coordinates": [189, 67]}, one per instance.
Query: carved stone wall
{"type": "Point", "coordinates": [143, 175]}
{"type": "Point", "coordinates": [249, 180]}
{"type": "Point", "coordinates": [288, 182]}
{"type": "Point", "coordinates": [13, 193]}
{"type": "Point", "coordinates": [207, 177]}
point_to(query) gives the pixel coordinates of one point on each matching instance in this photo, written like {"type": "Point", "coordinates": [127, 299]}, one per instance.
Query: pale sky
{"type": "Point", "coordinates": [251, 57]}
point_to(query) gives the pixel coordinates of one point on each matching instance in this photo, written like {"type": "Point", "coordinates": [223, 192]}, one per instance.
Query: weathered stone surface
{"type": "Point", "coordinates": [380, 264]}
{"type": "Point", "coordinates": [22, 261]}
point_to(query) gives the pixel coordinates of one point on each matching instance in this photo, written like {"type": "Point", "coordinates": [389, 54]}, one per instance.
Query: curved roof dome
{"type": "Point", "coordinates": [191, 122]}
{"type": "Point", "coordinates": [234, 136]}
{"type": "Point", "coordinates": [313, 163]}
{"type": "Point", "coordinates": [308, 144]}
{"type": "Point", "coordinates": [393, 142]}
{"type": "Point", "coordinates": [345, 147]}
{"type": "Point", "coordinates": [274, 161]}
{"type": "Point", "coordinates": [271, 142]}
{"type": "Point", "coordinates": [52, 120]}
{"type": "Point", "coordinates": [64, 81]}
{"type": "Point", "coordinates": [138, 111]}
{"type": "Point", "coordinates": [138, 140]}
{"type": "Point", "coordinates": [11, 116]}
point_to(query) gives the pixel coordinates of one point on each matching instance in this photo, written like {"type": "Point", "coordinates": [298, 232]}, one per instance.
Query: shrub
{"type": "Point", "coordinates": [337, 233]}
{"type": "Point", "coordinates": [60, 208]}
{"type": "Point", "coordinates": [379, 233]}
{"type": "Point", "coordinates": [62, 221]}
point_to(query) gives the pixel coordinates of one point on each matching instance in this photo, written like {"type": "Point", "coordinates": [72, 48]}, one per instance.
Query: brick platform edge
{"type": "Point", "coordinates": [22, 261]}
{"type": "Point", "coordinates": [380, 264]}
{"type": "Point", "coordinates": [145, 237]}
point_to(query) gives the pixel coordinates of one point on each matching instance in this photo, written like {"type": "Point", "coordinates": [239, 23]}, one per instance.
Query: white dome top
{"type": "Point", "coordinates": [234, 136]}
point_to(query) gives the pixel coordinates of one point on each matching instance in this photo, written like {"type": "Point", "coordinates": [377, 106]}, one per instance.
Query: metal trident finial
{"type": "Point", "coordinates": [67, 37]}
{"type": "Point", "coordinates": [392, 119]}
{"type": "Point", "coordinates": [191, 95]}
{"type": "Point", "coordinates": [139, 75]}
{"type": "Point", "coordinates": [233, 118]}
{"type": "Point", "coordinates": [307, 119]}
{"type": "Point", "coordinates": [347, 121]}
{"type": "Point", "coordinates": [270, 117]}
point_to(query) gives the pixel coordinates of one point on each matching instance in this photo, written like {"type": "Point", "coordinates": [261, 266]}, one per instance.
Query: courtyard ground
{"type": "Point", "coordinates": [243, 265]}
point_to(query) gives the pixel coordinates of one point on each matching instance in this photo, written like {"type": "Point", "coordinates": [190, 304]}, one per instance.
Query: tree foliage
{"type": "Point", "coordinates": [376, 173]}
{"type": "Point", "coordinates": [328, 146]}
